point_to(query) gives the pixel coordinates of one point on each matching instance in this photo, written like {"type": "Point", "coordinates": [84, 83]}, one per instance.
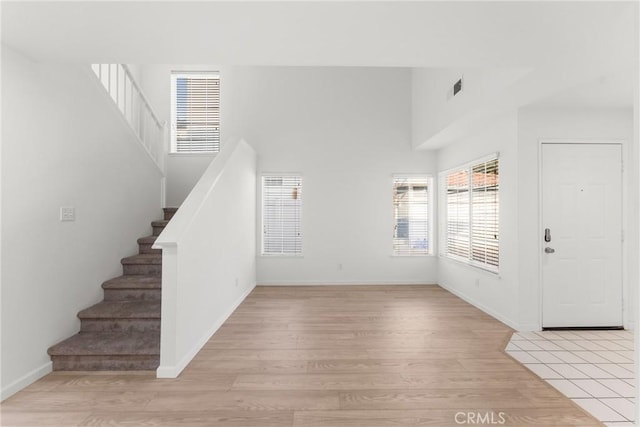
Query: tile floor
{"type": "Point", "coordinates": [593, 368]}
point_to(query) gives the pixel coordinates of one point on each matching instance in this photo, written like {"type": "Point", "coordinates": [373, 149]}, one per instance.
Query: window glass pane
{"type": "Point", "coordinates": [411, 216]}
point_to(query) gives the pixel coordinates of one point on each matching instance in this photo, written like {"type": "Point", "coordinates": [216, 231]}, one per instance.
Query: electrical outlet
{"type": "Point", "coordinates": [477, 283]}
{"type": "Point", "coordinates": [340, 266]}
{"type": "Point", "coordinates": [67, 213]}
{"type": "Point", "coordinates": [237, 282]}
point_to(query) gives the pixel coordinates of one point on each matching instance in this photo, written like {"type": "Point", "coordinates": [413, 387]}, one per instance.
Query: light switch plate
{"type": "Point", "coordinates": [67, 213]}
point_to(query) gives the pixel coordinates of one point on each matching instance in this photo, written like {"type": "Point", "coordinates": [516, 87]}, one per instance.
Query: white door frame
{"type": "Point", "coordinates": [627, 323]}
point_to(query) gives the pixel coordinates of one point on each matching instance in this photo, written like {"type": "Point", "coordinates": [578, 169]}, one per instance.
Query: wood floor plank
{"type": "Point", "coordinates": [319, 356]}
{"type": "Point", "coordinates": [247, 400]}
{"type": "Point", "coordinates": [191, 419]}
{"type": "Point", "coordinates": [430, 399]}
{"type": "Point", "coordinates": [188, 381]}
{"type": "Point", "coordinates": [35, 418]}
{"type": "Point", "coordinates": [439, 366]}
{"type": "Point", "coordinates": [75, 400]}
{"type": "Point", "coordinates": [287, 354]}
{"type": "Point", "coordinates": [384, 381]}
{"type": "Point", "coordinates": [514, 417]}
{"type": "Point", "coordinates": [247, 366]}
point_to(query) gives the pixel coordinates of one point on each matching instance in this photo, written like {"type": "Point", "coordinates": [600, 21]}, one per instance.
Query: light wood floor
{"type": "Point", "coordinates": [320, 356]}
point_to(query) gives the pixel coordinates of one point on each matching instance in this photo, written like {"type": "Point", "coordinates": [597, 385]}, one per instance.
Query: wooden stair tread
{"type": "Point", "coordinates": [108, 343]}
{"type": "Point", "coordinates": [133, 282]}
{"type": "Point", "coordinates": [160, 223]}
{"type": "Point", "coordinates": [122, 310]}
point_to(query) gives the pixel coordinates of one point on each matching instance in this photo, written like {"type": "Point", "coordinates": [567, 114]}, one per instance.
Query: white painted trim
{"type": "Point", "coordinates": [163, 192]}
{"type": "Point", "coordinates": [25, 380]}
{"type": "Point", "coordinates": [352, 283]}
{"type": "Point", "coordinates": [530, 327]}
{"type": "Point", "coordinates": [174, 371]}
{"type": "Point", "coordinates": [490, 312]}
{"type": "Point", "coordinates": [624, 223]}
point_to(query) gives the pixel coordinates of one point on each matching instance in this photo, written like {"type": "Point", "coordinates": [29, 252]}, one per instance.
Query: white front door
{"type": "Point", "coordinates": [581, 235]}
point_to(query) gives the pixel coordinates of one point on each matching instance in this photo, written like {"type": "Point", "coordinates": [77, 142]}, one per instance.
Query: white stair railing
{"type": "Point", "coordinates": [121, 86]}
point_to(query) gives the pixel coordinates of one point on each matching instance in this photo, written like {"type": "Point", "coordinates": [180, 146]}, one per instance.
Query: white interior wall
{"type": "Point", "coordinates": [62, 145]}
{"type": "Point", "coordinates": [590, 124]}
{"type": "Point", "coordinates": [514, 295]}
{"type": "Point", "coordinates": [496, 294]}
{"type": "Point", "coordinates": [440, 117]}
{"type": "Point", "coordinates": [347, 131]}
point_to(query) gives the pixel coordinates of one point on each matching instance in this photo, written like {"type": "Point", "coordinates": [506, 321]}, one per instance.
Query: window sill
{"type": "Point", "coordinates": [280, 256]}
{"type": "Point", "coordinates": [488, 271]}
{"type": "Point", "coordinates": [412, 256]}
{"type": "Point", "coordinates": [193, 154]}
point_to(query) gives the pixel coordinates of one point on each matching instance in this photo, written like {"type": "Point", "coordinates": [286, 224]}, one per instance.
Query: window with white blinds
{"type": "Point", "coordinates": [195, 126]}
{"type": "Point", "coordinates": [282, 215]}
{"type": "Point", "coordinates": [472, 213]}
{"type": "Point", "coordinates": [411, 215]}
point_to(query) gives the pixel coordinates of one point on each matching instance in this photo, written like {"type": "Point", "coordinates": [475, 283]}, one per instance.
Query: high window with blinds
{"type": "Point", "coordinates": [281, 215]}
{"type": "Point", "coordinates": [195, 126]}
{"type": "Point", "coordinates": [411, 228]}
{"type": "Point", "coordinates": [472, 208]}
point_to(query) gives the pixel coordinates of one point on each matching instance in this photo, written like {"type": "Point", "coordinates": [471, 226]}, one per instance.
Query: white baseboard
{"type": "Point", "coordinates": [529, 327]}
{"type": "Point", "coordinates": [352, 283]}
{"type": "Point", "coordinates": [25, 381]}
{"type": "Point", "coordinates": [174, 371]}
{"type": "Point", "coordinates": [490, 312]}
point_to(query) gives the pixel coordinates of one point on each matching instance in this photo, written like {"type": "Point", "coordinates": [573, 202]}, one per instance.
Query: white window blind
{"type": "Point", "coordinates": [195, 113]}
{"type": "Point", "coordinates": [281, 215]}
{"type": "Point", "coordinates": [484, 213]}
{"type": "Point", "coordinates": [411, 215]}
{"type": "Point", "coordinates": [472, 213]}
{"type": "Point", "coordinates": [458, 213]}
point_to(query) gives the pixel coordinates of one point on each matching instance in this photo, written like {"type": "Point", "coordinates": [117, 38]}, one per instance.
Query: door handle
{"type": "Point", "coordinates": [547, 235]}
{"type": "Point", "coordinates": [549, 250]}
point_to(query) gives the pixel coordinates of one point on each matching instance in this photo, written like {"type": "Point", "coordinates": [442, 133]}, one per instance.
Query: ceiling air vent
{"type": "Point", "coordinates": [457, 87]}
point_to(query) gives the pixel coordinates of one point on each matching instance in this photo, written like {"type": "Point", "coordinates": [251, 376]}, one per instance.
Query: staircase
{"type": "Point", "coordinates": [123, 331]}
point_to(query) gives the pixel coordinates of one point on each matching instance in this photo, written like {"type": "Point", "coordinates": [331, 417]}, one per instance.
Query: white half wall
{"type": "Point", "coordinates": [495, 294]}
{"type": "Point", "coordinates": [209, 256]}
{"type": "Point", "coordinates": [535, 125]}
{"type": "Point", "coordinates": [62, 145]}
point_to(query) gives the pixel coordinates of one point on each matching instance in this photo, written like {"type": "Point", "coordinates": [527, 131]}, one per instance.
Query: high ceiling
{"type": "Point", "coordinates": [567, 53]}
{"type": "Point", "coordinates": [326, 33]}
